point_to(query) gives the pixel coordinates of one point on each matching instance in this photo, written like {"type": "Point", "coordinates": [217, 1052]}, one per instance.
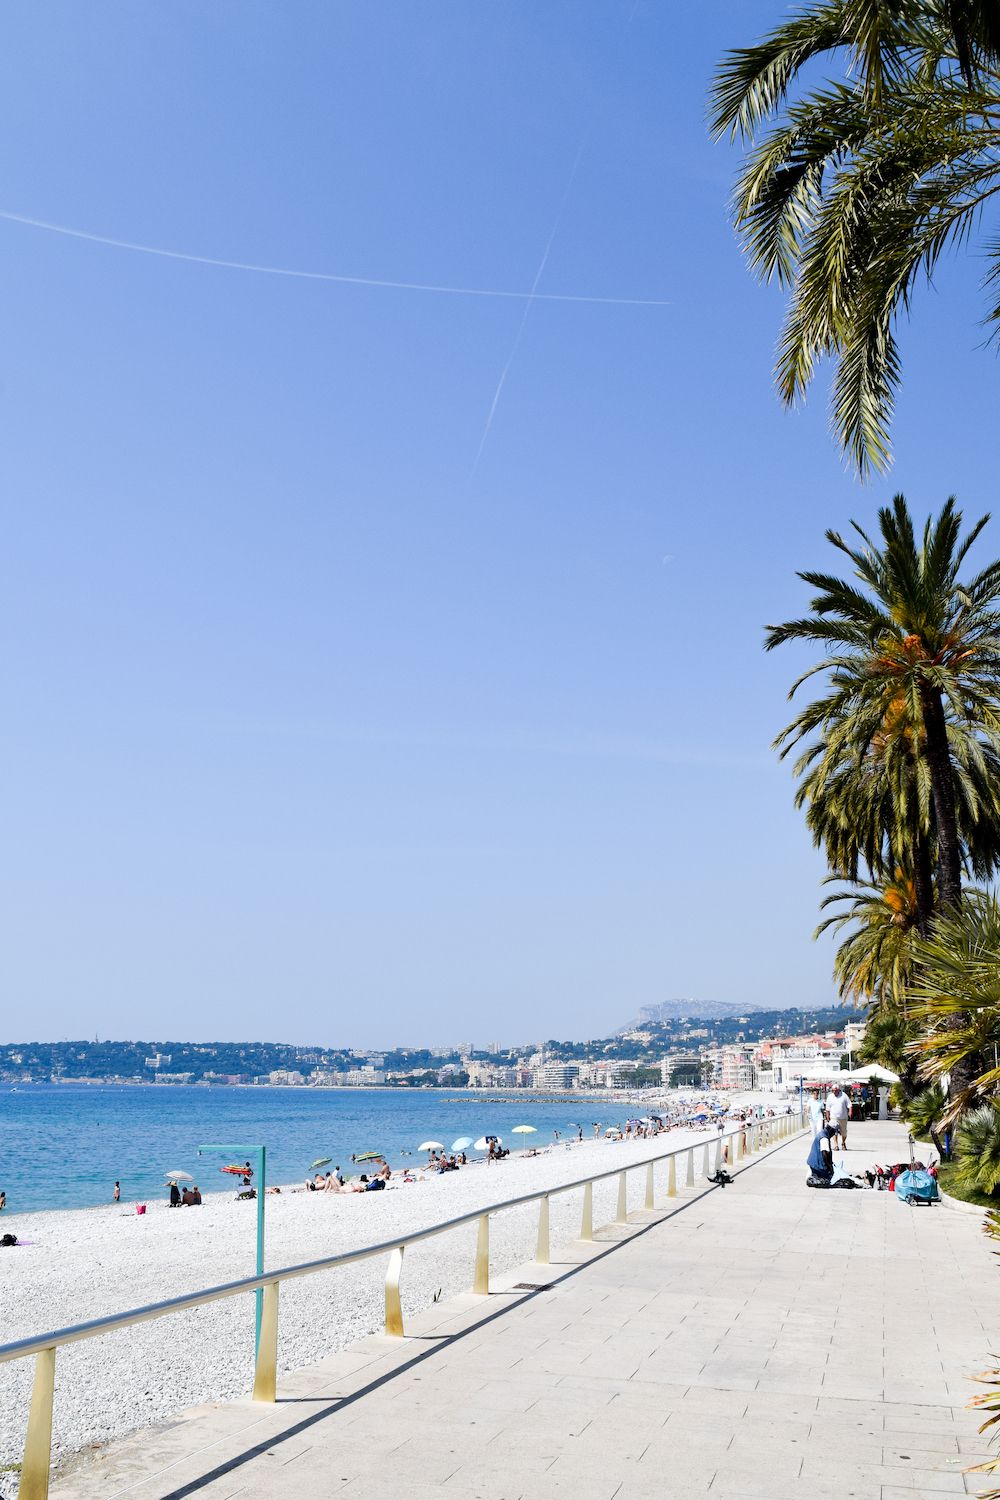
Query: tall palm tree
{"type": "Point", "coordinates": [862, 183]}
{"type": "Point", "coordinates": [866, 791]}
{"type": "Point", "coordinates": [915, 655]}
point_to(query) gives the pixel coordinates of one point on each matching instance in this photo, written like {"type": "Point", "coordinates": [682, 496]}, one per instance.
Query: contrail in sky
{"type": "Point", "coordinates": [397, 286]}
{"type": "Point", "coordinates": [535, 295]}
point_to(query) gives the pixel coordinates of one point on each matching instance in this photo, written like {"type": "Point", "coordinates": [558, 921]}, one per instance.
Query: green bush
{"type": "Point", "coordinates": [977, 1148]}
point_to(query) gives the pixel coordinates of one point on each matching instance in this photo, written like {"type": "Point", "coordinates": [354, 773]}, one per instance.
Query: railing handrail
{"type": "Point", "coordinates": [94, 1327]}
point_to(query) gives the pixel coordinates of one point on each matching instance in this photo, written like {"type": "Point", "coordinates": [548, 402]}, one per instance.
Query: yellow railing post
{"type": "Point", "coordinates": [621, 1217]}
{"type": "Point", "coordinates": [38, 1443]}
{"type": "Point", "coordinates": [689, 1178]}
{"type": "Point", "coordinates": [393, 1306]}
{"type": "Point", "coordinates": [265, 1374]}
{"type": "Point", "coordinates": [587, 1223]}
{"type": "Point", "coordinates": [672, 1178]}
{"type": "Point", "coordinates": [481, 1280]}
{"type": "Point", "coordinates": [542, 1246]}
{"type": "Point", "coordinates": [649, 1186]}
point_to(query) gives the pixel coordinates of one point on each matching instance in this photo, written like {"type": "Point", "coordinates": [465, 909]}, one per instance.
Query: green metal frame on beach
{"type": "Point", "coordinates": [261, 1172]}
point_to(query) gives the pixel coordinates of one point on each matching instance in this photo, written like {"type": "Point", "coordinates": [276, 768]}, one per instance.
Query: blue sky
{"type": "Point", "coordinates": [317, 728]}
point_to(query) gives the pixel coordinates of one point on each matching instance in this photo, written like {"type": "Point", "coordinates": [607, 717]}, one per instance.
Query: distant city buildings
{"type": "Point", "coordinates": [767, 1050]}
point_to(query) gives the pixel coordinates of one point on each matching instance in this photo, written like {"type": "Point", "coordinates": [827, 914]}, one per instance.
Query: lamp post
{"type": "Point", "coordinates": [260, 1152]}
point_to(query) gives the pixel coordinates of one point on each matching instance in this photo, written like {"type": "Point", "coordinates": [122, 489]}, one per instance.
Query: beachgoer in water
{"type": "Point", "coordinates": [116, 1195]}
{"type": "Point", "coordinates": [579, 1132]}
{"type": "Point", "coordinates": [597, 1129]}
{"type": "Point", "coordinates": [3, 1202]}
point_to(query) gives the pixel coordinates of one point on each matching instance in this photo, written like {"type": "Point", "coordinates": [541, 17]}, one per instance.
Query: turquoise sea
{"type": "Point", "coordinates": [63, 1146]}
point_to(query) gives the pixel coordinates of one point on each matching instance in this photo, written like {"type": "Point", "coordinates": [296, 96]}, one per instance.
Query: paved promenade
{"type": "Point", "coordinates": [765, 1342]}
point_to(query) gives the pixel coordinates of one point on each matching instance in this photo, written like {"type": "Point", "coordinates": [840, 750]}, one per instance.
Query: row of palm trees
{"type": "Point", "coordinates": [852, 187]}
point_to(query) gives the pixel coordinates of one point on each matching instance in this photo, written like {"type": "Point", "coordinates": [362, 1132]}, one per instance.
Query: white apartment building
{"type": "Point", "coordinates": [556, 1076]}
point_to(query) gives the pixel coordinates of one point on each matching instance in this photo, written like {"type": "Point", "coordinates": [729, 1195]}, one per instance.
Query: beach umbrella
{"type": "Point", "coordinates": [483, 1144]}
{"type": "Point", "coordinates": [431, 1146]}
{"type": "Point", "coordinates": [322, 1161]}
{"type": "Point", "coordinates": [179, 1176]}
{"type": "Point", "coordinates": [462, 1144]}
{"type": "Point", "coordinates": [369, 1156]}
{"type": "Point", "coordinates": [525, 1130]}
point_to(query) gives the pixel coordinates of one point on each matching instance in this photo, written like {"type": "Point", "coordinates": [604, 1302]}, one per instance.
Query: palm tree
{"type": "Point", "coordinates": [924, 1113]}
{"type": "Point", "coordinates": [862, 184]}
{"type": "Point", "coordinates": [887, 1041]}
{"type": "Point", "coordinates": [977, 1148]}
{"type": "Point", "coordinates": [955, 997]}
{"type": "Point", "coordinates": [915, 664]}
{"type": "Point", "coordinates": [875, 960]}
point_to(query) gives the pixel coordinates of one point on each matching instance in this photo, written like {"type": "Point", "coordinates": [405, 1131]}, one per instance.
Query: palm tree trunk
{"type": "Point", "coordinates": [949, 892]}
{"type": "Point", "coordinates": [949, 886]}
{"type": "Point", "coordinates": [923, 881]}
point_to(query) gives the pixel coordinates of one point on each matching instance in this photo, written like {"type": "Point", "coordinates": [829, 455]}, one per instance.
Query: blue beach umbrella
{"type": "Point", "coordinates": [462, 1144]}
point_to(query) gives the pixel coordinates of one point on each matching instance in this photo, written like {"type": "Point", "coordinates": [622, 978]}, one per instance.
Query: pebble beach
{"type": "Point", "coordinates": [80, 1264]}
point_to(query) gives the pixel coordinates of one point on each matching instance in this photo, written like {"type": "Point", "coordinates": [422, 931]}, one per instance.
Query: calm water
{"type": "Point", "coordinates": [64, 1146]}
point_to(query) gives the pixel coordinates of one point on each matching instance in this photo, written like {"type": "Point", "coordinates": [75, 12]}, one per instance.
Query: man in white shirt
{"type": "Point", "coordinates": [838, 1109]}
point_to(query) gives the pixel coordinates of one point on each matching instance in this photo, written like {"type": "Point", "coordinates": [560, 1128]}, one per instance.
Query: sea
{"type": "Point", "coordinates": [65, 1145]}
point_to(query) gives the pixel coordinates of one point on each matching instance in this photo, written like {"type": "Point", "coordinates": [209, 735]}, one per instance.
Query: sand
{"type": "Point", "coordinates": [84, 1264]}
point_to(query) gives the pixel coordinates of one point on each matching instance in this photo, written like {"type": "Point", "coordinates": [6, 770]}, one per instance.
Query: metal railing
{"type": "Point", "coordinates": [733, 1145]}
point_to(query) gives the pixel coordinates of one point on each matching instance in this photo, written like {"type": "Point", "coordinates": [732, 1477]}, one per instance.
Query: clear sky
{"type": "Point", "coordinates": [330, 715]}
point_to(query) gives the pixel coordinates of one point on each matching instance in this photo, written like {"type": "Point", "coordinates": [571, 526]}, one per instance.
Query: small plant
{"type": "Point", "coordinates": [977, 1148]}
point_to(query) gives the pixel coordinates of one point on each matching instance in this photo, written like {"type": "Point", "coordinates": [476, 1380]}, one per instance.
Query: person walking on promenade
{"type": "Point", "coordinates": [838, 1109]}
{"type": "Point", "coordinates": [817, 1114]}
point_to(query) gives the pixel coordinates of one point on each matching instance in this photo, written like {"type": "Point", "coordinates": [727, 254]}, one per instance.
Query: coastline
{"type": "Point", "coordinates": [82, 1263]}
